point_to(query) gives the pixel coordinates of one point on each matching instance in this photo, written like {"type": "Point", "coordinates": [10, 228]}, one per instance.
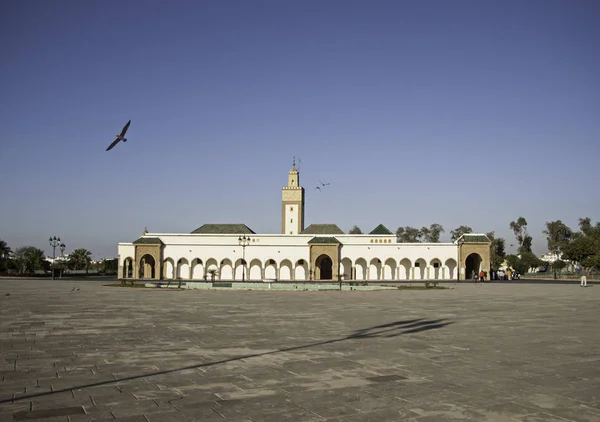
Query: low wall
{"type": "Point", "coordinates": [232, 285]}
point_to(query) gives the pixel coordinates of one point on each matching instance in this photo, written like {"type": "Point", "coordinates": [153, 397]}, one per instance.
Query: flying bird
{"type": "Point", "coordinates": [318, 187]}
{"type": "Point", "coordinates": [120, 137]}
{"type": "Point", "coordinates": [324, 184]}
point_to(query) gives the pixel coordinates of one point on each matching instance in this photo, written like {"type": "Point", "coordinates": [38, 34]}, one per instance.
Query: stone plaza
{"type": "Point", "coordinates": [75, 350]}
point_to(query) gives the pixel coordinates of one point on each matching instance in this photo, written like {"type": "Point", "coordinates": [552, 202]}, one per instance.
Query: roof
{"type": "Point", "coordinates": [223, 229]}
{"type": "Point", "coordinates": [322, 229]}
{"type": "Point", "coordinates": [148, 241]}
{"type": "Point", "coordinates": [474, 238]}
{"type": "Point", "coordinates": [324, 239]}
{"type": "Point", "coordinates": [381, 229]}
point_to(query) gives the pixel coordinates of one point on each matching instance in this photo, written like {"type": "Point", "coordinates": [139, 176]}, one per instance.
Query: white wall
{"type": "Point", "coordinates": [223, 252]}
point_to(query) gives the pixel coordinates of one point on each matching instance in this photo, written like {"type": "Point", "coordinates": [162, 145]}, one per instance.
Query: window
{"type": "Point", "coordinates": [417, 264]}
{"type": "Point", "coordinates": [291, 220]}
{"type": "Point", "coordinates": [436, 265]}
{"type": "Point", "coordinates": [291, 208]}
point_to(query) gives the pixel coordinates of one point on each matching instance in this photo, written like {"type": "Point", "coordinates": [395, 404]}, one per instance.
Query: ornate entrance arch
{"type": "Point", "coordinates": [324, 267]}
{"type": "Point", "coordinates": [472, 265]}
{"type": "Point", "coordinates": [147, 267]}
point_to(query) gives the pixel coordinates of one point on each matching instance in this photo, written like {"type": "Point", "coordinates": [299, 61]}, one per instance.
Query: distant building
{"type": "Point", "coordinates": [317, 252]}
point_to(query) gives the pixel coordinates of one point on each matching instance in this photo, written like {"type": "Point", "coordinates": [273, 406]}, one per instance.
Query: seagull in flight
{"type": "Point", "coordinates": [120, 137]}
{"type": "Point", "coordinates": [318, 187]}
{"type": "Point", "coordinates": [324, 184]}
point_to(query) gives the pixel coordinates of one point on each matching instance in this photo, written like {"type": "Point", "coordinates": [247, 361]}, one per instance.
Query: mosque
{"type": "Point", "coordinates": [317, 252]}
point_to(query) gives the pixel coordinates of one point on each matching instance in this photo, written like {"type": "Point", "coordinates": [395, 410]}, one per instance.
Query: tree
{"type": "Point", "coordinates": [519, 228]}
{"type": "Point", "coordinates": [497, 253]}
{"type": "Point", "coordinates": [558, 265]}
{"type": "Point", "coordinates": [355, 230]}
{"type": "Point", "coordinates": [458, 232]}
{"type": "Point", "coordinates": [80, 259]}
{"type": "Point", "coordinates": [524, 262]}
{"type": "Point", "coordinates": [432, 233]}
{"type": "Point", "coordinates": [408, 234]}
{"type": "Point", "coordinates": [557, 235]}
{"type": "Point", "coordinates": [5, 253]}
{"type": "Point", "coordinates": [29, 259]}
{"type": "Point", "coordinates": [584, 247]}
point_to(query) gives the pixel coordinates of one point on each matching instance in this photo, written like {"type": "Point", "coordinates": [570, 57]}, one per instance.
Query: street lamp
{"type": "Point", "coordinates": [244, 241]}
{"type": "Point", "coordinates": [62, 254]}
{"type": "Point", "coordinates": [54, 242]}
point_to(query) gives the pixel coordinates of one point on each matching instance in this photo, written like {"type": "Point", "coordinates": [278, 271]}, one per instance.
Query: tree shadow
{"type": "Point", "coordinates": [392, 329]}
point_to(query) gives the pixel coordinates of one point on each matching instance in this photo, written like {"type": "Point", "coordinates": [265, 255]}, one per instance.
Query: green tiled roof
{"type": "Point", "coordinates": [148, 241]}
{"type": "Point", "coordinates": [475, 238]}
{"type": "Point", "coordinates": [323, 229]}
{"type": "Point", "coordinates": [381, 229]}
{"type": "Point", "coordinates": [324, 239]}
{"type": "Point", "coordinates": [223, 229]}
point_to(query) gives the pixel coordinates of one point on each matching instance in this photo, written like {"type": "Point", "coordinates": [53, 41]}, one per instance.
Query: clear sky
{"type": "Point", "coordinates": [417, 112]}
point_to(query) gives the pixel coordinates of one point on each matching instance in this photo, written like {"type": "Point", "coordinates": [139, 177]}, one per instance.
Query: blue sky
{"type": "Point", "coordinates": [417, 112]}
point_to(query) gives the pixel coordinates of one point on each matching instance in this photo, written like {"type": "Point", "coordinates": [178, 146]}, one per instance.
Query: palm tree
{"type": "Point", "coordinates": [29, 259]}
{"type": "Point", "coordinates": [81, 259]}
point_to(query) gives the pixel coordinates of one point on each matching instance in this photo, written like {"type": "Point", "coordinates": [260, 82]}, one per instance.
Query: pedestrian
{"type": "Point", "coordinates": [481, 276]}
{"type": "Point", "coordinates": [583, 281]}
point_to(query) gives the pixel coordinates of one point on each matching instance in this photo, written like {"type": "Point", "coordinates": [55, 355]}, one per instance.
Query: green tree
{"type": "Point", "coordinates": [5, 253]}
{"type": "Point", "coordinates": [29, 259]}
{"type": "Point", "coordinates": [459, 231]}
{"type": "Point", "coordinates": [558, 266]}
{"type": "Point", "coordinates": [432, 233]}
{"type": "Point", "coordinates": [497, 250]}
{"type": "Point", "coordinates": [558, 235]}
{"type": "Point", "coordinates": [408, 234]}
{"type": "Point", "coordinates": [523, 262]}
{"type": "Point", "coordinates": [519, 228]}
{"type": "Point", "coordinates": [355, 230]}
{"type": "Point", "coordinates": [80, 259]}
{"type": "Point", "coordinates": [584, 247]}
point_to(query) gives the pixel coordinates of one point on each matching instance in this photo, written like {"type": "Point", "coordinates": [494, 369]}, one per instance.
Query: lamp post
{"type": "Point", "coordinates": [54, 242]}
{"type": "Point", "coordinates": [244, 241]}
{"type": "Point", "coordinates": [62, 260]}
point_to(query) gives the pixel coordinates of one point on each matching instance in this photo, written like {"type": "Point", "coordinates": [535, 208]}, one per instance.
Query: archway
{"type": "Point", "coordinates": [183, 269]}
{"type": "Point", "coordinates": [146, 269]}
{"type": "Point", "coordinates": [128, 268]}
{"type": "Point", "coordinates": [324, 267]}
{"type": "Point", "coordinates": [472, 265]}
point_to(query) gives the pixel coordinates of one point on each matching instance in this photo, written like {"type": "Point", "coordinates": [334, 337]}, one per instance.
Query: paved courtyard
{"type": "Point", "coordinates": [78, 351]}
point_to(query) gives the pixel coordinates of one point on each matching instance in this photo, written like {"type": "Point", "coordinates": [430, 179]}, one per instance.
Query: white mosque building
{"type": "Point", "coordinates": [317, 252]}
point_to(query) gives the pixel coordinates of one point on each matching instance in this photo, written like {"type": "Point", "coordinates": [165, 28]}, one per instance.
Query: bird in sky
{"type": "Point", "coordinates": [120, 137]}
{"type": "Point", "coordinates": [324, 184]}
{"type": "Point", "coordinates": [318, 187]}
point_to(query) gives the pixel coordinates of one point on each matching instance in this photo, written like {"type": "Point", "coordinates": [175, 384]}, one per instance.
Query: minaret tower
{"type": "Point", "coordinates": [292, 204]}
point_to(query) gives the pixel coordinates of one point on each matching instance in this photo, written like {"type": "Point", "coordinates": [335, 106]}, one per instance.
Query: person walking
{"type": "Point", "coordinates": [583, 281]}
{"type": "Point", "coordinates": [481, 276]}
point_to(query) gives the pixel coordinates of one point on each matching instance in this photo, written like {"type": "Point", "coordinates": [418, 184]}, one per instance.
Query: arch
{"type": "Point", "coordinates": [389, 269]}
{"type": "Point", "coordinates": [435, 269]}
{"type": "Point", "coordinates": [240, 270]}
{"type": "Point", "coordinates": [169, 268]}
{"type": "Point", "coordinates": [128, 267]}
{"type": "Point", "coordinates": [450, 264]}
{"type": "Point", "coordinates": [271, 269]}
{"type": "Point", "coordinates": [300, 270]}
{"type": "Point", "coordinates": [285, 270]}
{"type": "Point", "coordinates": [147, 267]}
{"type": "Point", "coordinates": [420, 265]}
{"type": "Point", "coordinates": [183, 269]}
{"type": "Point", "coordinates": [405, 269]}
{"type": "Point", "coordinates": [255, 270]}
{"type": "Point", "coordinates": [361, 269]}
{"type": "Point", "coordinates": [472, 265]}
{"type": "Point", "coordinates": [324, 267]}
{"type": "Point", "coordinates": [346, 269]}
{"type": "Point", "coordinates": [212, 269]}
{"type": "Point", "coordinates": [197, 269]}
{"type": "Point", "coordinates": [375, 269]}
{"type": "Point", "coordinates": [226, 271]}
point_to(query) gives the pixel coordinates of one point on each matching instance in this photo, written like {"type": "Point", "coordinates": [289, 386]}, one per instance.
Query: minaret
{"type": "Point", "coordinates": [292, 204]}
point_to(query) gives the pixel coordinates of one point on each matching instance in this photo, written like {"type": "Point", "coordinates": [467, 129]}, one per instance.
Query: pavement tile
{"type": "Point", "coordinates": [512, 352]}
